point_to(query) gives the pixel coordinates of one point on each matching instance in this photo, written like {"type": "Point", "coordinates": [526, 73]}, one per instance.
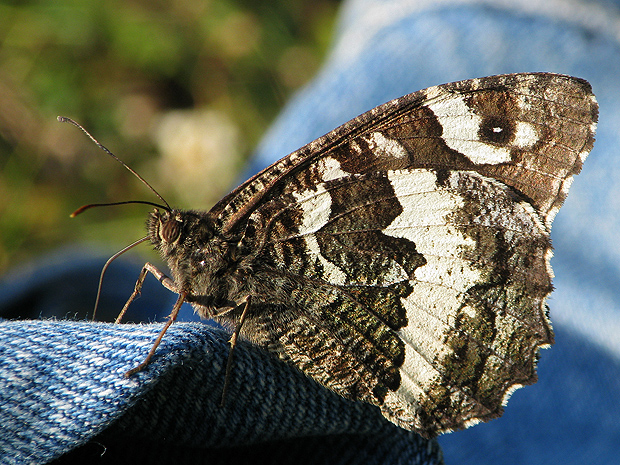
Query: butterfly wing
{"type": "Point", "coordinates": [413, 245]}
{"type": "Point", "coordinates": [530, 131]}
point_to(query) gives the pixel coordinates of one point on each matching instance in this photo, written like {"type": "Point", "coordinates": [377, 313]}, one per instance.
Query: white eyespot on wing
{"type": "Point", "coordinates": [461, 129]}
{"type": "Point", "coordinates": [460, 132]}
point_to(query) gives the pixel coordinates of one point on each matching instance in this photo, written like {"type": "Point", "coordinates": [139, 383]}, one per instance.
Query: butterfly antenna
{"type": "Point", "coordinates": [64, 119]}
{"type": "Point", "coordinates": [92, 205]}
{"type": "Point", "coordinates": [105, 267]}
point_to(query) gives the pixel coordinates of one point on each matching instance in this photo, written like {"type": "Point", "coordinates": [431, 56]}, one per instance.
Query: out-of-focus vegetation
{"type": "Point", "coordinates": [181, 90]}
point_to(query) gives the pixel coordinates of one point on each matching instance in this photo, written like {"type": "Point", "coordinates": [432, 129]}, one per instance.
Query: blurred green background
{"type": "Point", "coordinates": [180, 90]}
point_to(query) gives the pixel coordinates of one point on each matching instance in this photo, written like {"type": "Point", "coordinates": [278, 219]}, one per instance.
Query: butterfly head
{"type": "Point", "coordinates": [176, 233]}
{"type": "Point", "coordinates": [165, 228]}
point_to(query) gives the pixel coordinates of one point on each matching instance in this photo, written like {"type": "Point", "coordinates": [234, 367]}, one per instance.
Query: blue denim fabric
{"type": "Point", "coordinates": [61, 382]}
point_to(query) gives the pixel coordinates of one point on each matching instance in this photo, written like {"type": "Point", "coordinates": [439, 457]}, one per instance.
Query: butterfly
{"type": "Point", "coordinates": [403, 258]}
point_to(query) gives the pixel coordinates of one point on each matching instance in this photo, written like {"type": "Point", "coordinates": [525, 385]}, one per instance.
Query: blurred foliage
{"type": "Point", "coordinates": [181, 90]}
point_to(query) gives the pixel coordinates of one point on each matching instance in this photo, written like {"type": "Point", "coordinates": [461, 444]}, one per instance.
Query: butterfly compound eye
{"type": "Point", "coordinates": [170, 230]}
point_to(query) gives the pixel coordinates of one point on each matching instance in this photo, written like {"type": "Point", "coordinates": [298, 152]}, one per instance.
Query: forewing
{"type": "Point", "coordinates": [531, 131]}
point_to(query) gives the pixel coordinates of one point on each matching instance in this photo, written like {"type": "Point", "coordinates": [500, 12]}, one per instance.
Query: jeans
{"type": "Point", "coordinates": [61, 384]}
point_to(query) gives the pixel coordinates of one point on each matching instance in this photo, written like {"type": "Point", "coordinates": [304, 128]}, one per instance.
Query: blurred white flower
{"type": "Point", "coordinates": [200, 155]}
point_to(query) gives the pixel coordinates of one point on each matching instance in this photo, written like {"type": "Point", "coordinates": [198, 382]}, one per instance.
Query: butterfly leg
{"type": "Point", "coordinates": [171, 318]}
{"type": "Point", "coordinates": [168, 284]}
{"type": "Point", "coordinates": [161, 277]}
{"type": "Point", "coordinates": [233, 343]}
